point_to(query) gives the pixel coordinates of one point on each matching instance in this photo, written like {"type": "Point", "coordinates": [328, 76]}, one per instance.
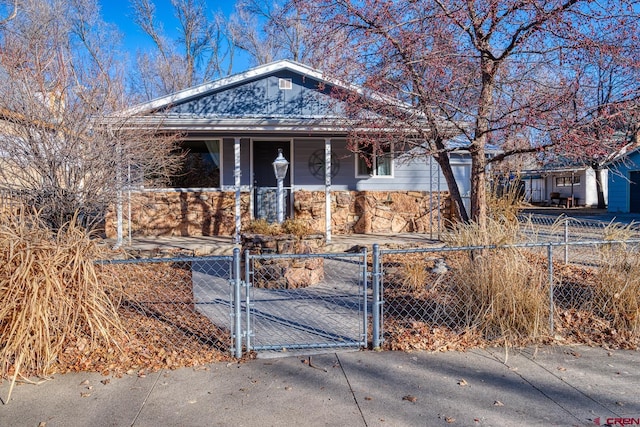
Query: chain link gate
{"type": "Point", "coordinates": [304, 301]}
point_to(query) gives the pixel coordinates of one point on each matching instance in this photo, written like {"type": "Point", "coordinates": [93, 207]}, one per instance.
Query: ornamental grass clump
{"type": "Point", "coordinates": [505, 203]}
{"type": "Point", "coordinates": [50, 295]}
{"type": "Point", "coordinates": [503, 294]}
{"type": "Point", "coordinates": [617, 281]}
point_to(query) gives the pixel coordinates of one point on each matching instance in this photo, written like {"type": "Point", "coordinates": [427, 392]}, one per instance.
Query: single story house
{"type": "Point", "coordinates": [564, 185]}
{"type": "Point", "coordinates": [232, 130]}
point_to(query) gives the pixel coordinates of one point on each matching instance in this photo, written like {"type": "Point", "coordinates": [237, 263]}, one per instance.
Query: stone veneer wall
{"type": "Point", "coordinates": [373, 211]}
{"type": "Point", "coordinates": [180, 214]}
{"type": "Point", "coordinates": [213, 213]}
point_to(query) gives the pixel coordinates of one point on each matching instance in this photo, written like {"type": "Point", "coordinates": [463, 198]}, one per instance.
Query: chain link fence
{"type": "Point", "coordinates": [581, 288]}
{"type": "Point", "coordinates": [178, 307]}
{"type": "Point", "coordinates": [539, 228]}
{"type": "Point", "coordinates": [199, 307]}
{"type": "Point", "coordinates": [440, 297]}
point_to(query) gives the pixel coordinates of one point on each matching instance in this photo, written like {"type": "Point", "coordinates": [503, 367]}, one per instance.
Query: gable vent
{"type": "Point", "coordinates": [285, 84]}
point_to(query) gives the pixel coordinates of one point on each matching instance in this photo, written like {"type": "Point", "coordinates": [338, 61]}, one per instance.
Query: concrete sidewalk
{"type": "Point", "coordinates": [558, 386]}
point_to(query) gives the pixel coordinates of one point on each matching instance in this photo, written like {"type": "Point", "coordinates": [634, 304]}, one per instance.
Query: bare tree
{"type": "Point", "coordinates": [494, 72]}
{"type": "Point", "coordinates": [67, 150]}
{"type": "Point", "coordinates": [199, 52]}
{"type": "Point", "coordinates": [11, 12]}
{"type": "Point", "coordinates": [269, 30]}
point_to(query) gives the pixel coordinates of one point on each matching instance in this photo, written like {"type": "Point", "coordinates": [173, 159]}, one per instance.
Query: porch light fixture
{"type": "Point", "coordinates": [280, 167]}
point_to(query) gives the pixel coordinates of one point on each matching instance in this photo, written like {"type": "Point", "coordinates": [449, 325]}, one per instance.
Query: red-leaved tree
{"type": "Point", "coordinates": [520, 76]}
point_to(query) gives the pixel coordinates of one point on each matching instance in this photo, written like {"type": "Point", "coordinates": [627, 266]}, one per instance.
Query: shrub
{"type": "Point", "coordinates": [503, 294]}
{"type": "Point", "coordinates": [262, 226]}
{"type": "Point", "coordinates": [617, 281]}
{"type": "Point", "coordinates": [50, 294]}
{"type": "Point", "coordinates": [295, 227]}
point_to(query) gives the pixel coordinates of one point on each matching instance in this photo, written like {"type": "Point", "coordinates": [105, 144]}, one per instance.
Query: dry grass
{"type": "Point", "coordinates": [289, 226]}
{"type": "Point", "coordinates": [50, 294]}
{"type": "Point", "coordinates": [617, 281]}
{"type": "Point", "coordinates": [414, 275]}
{"type": "Point", "coordinates": [503, 295]}
{"type": "Point", "coordinates": [498, 232]}
{"type": "Point", "coordinates": [505, 206]}
{"type": "Point", "coordinates": [296, 227]}
{"type": "Point", "coordinates": [262, 226]}
{"type": "Point", "coordinates": [503, 227]}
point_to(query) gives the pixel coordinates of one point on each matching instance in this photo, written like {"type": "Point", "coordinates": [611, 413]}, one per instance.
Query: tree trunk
{"type": "Point", "coordinates": [442, 158]}
{"type": "Point", "coordinates": [478, 187]}
{"type": "Point", "coordinates": [489, 69]}
{"type": "Point", "coordinates": [600, 192]}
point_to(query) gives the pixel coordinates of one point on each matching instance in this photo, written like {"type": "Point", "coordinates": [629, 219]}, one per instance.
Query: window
{"type": "Point", "coordinates": [200, 167]}
{"type": "Point", "coordinates": [370, 164]}
{"type": "Point", "coordinates": [285, 84]}
{"type": "Point", "coordinates": [565, 181]}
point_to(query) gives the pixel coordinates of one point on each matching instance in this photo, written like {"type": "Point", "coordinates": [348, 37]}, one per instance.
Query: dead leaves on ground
{"type": "Point", "coordinates": [416, 335]}
{"type": "Point", "coordinates": [166, 334]}
{"type": "Point", "coordinates": [407, 330]}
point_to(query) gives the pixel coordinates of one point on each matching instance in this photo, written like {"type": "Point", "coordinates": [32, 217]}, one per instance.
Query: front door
{"type": "Point", "coordinates": [634, 192]}
{"type": "Point", "coordinates": [264, 179]}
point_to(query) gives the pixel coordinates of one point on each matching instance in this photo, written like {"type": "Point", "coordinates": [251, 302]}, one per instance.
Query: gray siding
{"type": "Point", "coordinates": [408, 174]}
{"type": "Point", "coordinates": [304, 150]}
{"type": "Point", "coordinates": [228, 162]}
{"type": "Point", "coordinates": [263, 98]}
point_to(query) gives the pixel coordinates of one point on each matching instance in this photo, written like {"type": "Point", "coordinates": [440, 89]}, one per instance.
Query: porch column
{"type": "Point", "coordinates": [327, 188]}
{"type": "Point", "coordinates": [236, 176]}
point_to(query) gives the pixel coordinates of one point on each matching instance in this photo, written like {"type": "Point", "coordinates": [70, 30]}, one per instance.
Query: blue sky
{"type": "Point", "coordinates": [119, 12]}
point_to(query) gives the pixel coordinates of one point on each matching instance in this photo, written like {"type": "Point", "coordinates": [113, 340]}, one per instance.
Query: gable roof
{"type": "Point", "coordinates": [228, 82]}
{"type": "Point", "coordinates": [255, 102]}
{"type": "Point", "coordinates": [252, 101]}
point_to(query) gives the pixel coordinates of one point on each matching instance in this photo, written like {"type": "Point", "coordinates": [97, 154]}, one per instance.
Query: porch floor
{"type": "Point", "coordinates": [224, 245]}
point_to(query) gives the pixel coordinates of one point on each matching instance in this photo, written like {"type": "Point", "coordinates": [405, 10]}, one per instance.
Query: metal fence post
{"type": "Point", "coordinates": [566, 240]}
{"type": "Point", "coordinates": [376, 327]}
{"type": "Point", "coordinates": [247, 283]}
{"type": "Point", "coordinates": [551, 302]}
{"type": "Point", "coordinates": [365, 286]}
{"type": "Point", "coordinates": [237, 283]}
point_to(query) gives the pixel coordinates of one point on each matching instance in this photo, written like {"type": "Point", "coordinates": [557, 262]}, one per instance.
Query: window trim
{"type": "Point", "coordinates": [565, 181]}
{"type": "Point", "coordinates": [285, 83]}
{"type": "Point", "coordinates": [374, 166]}
{"type": "Point", "coordinates": [220, 165]}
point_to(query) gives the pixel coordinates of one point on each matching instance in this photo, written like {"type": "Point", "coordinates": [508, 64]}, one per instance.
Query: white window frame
{"type": "Point", "coordinates": [374, 166]}
{"type": "Point", "coordinates": [565, 181]}
{"type": "Point", "coordinates": [220, 160]}
{"type": "Point", "coordinates": [285, 84]}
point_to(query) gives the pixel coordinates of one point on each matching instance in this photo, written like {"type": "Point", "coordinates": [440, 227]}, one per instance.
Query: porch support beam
{"type": "Point", "coordinates": [236, 177]}
{"type": "Point", "coordinates": [327, 188]}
